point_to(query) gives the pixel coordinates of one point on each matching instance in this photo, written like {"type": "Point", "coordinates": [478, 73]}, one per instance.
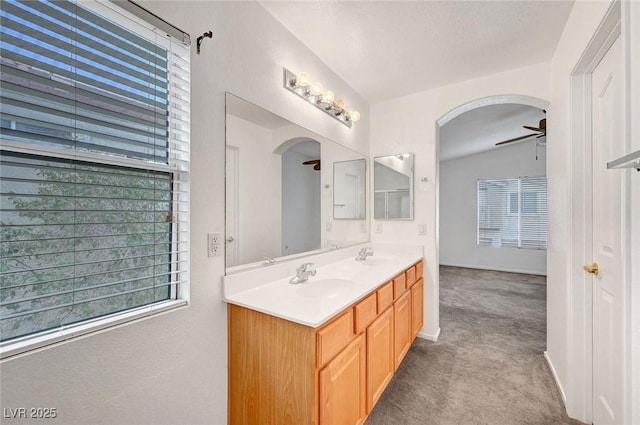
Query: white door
{"type": "Point", "coordinates": [608, 297]}
{"type": "Point", "coordinates": [231, 219]}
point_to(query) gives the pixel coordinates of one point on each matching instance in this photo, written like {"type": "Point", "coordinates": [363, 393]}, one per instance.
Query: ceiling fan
{"type": "Point", "coordinates": [540, 131]}
{"type": "Point", "coordinates": [314, 162]}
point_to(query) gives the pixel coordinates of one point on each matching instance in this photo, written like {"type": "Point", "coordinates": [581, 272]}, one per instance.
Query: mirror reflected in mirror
{"type": "Point", "coordinates": [349, 189]}
{"type": "Point", "coordinates": [280, 189]}
{"type": "Point", "coordinates": [393, 187]}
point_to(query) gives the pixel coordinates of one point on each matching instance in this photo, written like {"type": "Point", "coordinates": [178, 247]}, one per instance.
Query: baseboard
{"type": "Point", "coordinates": [555, 378]}
{"type": "Point", "coordinates": [430, 337]}
{"type": "Point", "coordinates": [497, 269]}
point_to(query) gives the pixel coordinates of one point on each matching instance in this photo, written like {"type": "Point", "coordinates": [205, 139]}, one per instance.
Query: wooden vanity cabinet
{"type": "Point", "coordinates": [380, 361]}
{"type": "Point", "coordinates": [285, 373]}
{"type": "Point", "coordinates": [417, 310]}
{"type": "Point", "coordinates": [343, 384]}
{"type": "Point", "coordinates": [402, 328]}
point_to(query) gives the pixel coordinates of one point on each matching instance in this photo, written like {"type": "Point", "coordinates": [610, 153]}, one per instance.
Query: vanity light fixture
{"type": "Point", "coordinates": [314, 93]}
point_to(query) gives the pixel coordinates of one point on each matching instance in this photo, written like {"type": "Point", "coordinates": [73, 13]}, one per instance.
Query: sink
{"type": "Point", "coordinates": [323, 288]}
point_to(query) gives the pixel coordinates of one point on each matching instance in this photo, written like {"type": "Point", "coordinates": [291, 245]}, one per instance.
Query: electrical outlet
{"type": "Point", "coordinates": [213, 244]}
{"type": "Point", "coordinates": [378, 227]}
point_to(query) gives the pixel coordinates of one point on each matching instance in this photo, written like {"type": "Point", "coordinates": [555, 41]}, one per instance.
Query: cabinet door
{"type": "Point", "coordinates": [402, 327]}
{"type": "Point", "coordinates": [343, 386]}
{"type": "Point", "coordinates": [417, 308]}
{"type": "Point", "coordinates": [380, 361]}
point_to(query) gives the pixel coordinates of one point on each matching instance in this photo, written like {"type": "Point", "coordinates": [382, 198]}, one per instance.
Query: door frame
{"type": "Point", "coordinates": [580, 305]}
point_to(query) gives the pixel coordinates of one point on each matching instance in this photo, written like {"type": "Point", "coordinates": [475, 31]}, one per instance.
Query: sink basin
{"type": "Point", "coordinates": [323, 288]}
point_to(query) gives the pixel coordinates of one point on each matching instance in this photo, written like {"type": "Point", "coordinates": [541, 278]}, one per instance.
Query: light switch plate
{"type": "Point", "coordinates": [422, 229]}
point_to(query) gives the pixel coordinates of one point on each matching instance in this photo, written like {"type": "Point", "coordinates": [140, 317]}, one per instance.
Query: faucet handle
{"type": "Point", "coordinates": [303, 267]}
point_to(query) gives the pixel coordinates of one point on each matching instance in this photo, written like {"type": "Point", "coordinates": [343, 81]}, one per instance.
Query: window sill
{"type": "Point", "coordinates": [66, 333]}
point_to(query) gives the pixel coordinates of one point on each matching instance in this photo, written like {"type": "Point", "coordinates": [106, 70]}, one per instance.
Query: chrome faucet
{"type": "Point", "coordinates": [365, 252]}
{"type": "Point", "coordinates": [303, 273]}
{"type": "Point", "coordinates": [270, 261]}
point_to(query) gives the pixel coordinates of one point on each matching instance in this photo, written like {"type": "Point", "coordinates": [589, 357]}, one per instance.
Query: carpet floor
{"type": "Point", "coordinates": [487, 366]}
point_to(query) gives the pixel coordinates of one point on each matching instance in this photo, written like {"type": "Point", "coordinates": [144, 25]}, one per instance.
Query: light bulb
{"type": "Point", "coordinates": [328, 96]}
{"type": "Point", "coordinates": [355, 116]}
{"type": "Point", "coordinates": [317, 89]}
{"type": "Point", "coordinates": [302, 80]}
{"type": "Point", "coordinates": [338, 103]}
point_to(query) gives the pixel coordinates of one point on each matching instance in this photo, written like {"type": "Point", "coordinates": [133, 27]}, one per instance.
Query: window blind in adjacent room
{"type": "Point", "coordinates": [513, 212]}
{"type": "Point", "coordinates": [95, 163]}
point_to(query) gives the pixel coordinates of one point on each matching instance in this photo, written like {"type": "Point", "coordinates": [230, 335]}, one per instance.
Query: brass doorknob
{"type": "Point", "coordinates": [593, 269]}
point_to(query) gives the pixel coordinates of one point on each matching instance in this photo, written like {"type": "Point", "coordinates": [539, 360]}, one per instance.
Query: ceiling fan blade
{"type": "Point", "coordinates": [515, 139]}
{"type": "Point", "coordinates": [533, 128]}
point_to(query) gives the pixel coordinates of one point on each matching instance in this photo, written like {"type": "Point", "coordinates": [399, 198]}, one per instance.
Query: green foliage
{"type": "Point", "coordinates": [76, 235]}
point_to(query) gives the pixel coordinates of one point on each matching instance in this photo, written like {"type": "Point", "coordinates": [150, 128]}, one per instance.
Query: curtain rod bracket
{"type": "Point", "coordinates": [208, 34]}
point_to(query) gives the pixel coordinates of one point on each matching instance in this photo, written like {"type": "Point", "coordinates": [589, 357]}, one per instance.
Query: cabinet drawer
{"type": "Point", "coordinates": [419, 265]}
{"type": "Point", "coordinates": [385, 296]}
{"type": "Point", "coordinates": [411, 276]}
{"type": "Point", "coordinates": [365, 312]}
{"type": "Point", "coordinates": [399, 286]}
{"type": "Point", "coordinates": [334, 337]}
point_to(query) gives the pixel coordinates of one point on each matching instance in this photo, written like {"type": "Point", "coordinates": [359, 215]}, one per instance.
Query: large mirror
{"type": "Point", "coordinates": [280, 189]}
{"type": "Point", "coordinates": [349, 189]}
{"type": "Point", "coordinates": [393, 187]}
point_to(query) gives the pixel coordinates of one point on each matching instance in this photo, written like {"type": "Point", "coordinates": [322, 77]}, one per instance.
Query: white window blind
{"type": "Point", "coordinates": [94, 165]}
{"type": "Point", "coordinates": [513, 212]}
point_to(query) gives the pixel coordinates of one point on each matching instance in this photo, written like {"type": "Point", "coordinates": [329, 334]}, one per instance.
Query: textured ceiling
{"type": "Point", "coordinates": [480, 129]}
{"type": "Point", "coordinates": [385, 49]}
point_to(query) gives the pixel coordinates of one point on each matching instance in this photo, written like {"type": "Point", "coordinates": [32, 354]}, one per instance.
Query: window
{"type": "Point", "coordinates": [94, 168]}
{"type": "Point", "coordinates": [513, 212]}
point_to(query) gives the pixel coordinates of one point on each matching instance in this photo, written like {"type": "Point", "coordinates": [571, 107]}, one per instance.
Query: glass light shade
{"type": "Point", "coordinates": [302, 80]}
{"type": "Point", "coordinates": [355, 116]}
{"type": "Point", "coordinates": [348, 110]}
{"type": "Point", "coordinates": [328, 96]}
{"type": "Point", "coordinates": [316, 89]}
{"type": "Point", "coordinates": [339, 103]}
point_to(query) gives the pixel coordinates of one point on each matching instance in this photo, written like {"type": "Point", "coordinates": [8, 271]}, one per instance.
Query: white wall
{"type": "Point", "coordinates": [259, 190]}
{"type": "Point", "coordinates": [408, 124]}
{"type": "Point", "coordinates": [300, 204]}
{"type": "Point", "coordinates": [458, 208]}
{"type": "Point", "coordinates": [633, 49]}
{"type": "Point", "coordinates": [172, 369]}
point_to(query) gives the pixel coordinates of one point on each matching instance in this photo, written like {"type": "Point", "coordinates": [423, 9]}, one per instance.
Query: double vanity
{"type": "Point", "coordinates": [321, 351]}
{"type": "Point", "coordinates": [318, 318]}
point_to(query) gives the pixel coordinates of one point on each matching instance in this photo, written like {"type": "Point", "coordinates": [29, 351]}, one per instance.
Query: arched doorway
{"type": "Point", "coordinates": [301, 195]}
{"type": "Point", "coordinates": [458, 111]}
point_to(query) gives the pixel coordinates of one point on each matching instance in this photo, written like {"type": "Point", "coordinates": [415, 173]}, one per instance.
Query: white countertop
{"type": "Point", "coordinates": [335, 286]}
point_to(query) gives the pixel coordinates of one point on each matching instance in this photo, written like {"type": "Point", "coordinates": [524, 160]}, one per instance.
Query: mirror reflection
{"type": "Point", "coordinates": [393, 187]}
{"type": "Point", "coordinates": [349, 189]}
{"type": "Point", "coordinates": [280, 188]}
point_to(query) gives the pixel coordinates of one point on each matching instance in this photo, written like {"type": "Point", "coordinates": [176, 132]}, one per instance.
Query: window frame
{"type": "Point", "coordinates": [482, 210]}
{"type": "Point", "coordinates": [180, 188]}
